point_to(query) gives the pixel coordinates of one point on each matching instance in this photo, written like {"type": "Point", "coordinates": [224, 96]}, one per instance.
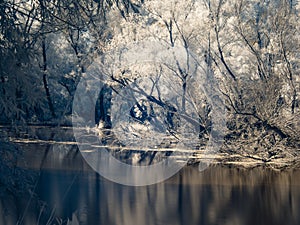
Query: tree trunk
{"type": "Point", "coordinates": [45, 78]}
{"type": "Point", "coordinates": [103, 107]}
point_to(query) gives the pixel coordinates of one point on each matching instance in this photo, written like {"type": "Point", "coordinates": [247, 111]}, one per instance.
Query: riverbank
{"type": "Point", "coordinates": [65, 150]}
{"type": "Point", "coordinates": [42, 138]}
{"type": "Point", "coordinates": [247, 161]}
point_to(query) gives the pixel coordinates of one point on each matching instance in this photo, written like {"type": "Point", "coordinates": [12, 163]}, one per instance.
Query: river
{"type": "Point", "coordinates": [67, 191]}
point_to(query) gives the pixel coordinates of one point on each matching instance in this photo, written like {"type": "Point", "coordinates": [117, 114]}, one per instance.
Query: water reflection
{"type": "Point", "coordinates": [67, 188]}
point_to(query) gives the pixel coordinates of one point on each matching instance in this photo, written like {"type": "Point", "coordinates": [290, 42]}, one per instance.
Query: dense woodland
{"type": "Point", "coordinates": [250, 47]}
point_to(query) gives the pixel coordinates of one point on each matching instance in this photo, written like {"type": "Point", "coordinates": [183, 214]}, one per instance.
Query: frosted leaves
{"type": "Point", "coordinates": [160, 111]}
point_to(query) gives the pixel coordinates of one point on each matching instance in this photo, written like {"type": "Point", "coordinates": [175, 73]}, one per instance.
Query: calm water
{"type": "Point", "coordinates": [67, 189]}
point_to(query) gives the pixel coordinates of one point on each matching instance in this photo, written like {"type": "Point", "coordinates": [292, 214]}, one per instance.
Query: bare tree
{"type": "Point", "coordinates": [253, 45]}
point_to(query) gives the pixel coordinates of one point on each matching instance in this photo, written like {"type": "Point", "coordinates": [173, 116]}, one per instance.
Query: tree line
{"type": "Point", "coordinates": [250, 47]}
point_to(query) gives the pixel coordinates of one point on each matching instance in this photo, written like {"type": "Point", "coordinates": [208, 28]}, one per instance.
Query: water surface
{"type": "Point", "coordinates": [67, 189]}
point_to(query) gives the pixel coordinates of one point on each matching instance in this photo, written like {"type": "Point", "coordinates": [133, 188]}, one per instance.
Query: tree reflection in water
{"type": "Point", "coordinates": [218, 195]}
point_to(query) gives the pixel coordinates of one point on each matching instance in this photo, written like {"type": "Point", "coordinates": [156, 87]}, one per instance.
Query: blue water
{"type": "Point", "coordinates": [66, 189]}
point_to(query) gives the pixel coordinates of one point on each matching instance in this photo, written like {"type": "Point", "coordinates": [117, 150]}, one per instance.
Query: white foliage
{"type": "Point", "coordinates": [185, 18]}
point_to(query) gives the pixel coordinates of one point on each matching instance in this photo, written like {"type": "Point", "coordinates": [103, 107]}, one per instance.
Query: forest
{"type": "Point", "coordinates": [246, 52]}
